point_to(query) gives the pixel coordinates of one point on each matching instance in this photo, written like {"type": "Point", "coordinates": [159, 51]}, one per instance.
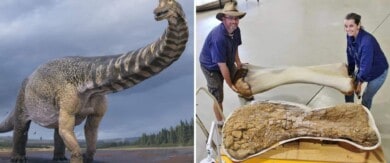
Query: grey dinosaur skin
{"type": "Point", "coordinates": [64, 92]}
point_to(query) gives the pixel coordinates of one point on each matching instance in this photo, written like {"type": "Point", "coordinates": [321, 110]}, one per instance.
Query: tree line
{"type": "Point", "coordinates": [182, 134]}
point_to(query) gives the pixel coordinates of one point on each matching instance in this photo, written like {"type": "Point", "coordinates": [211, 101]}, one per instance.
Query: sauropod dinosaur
{"type": "Point", "coordinates": [62, 93]}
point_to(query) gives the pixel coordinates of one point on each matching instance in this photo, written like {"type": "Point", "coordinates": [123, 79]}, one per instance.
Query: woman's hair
{"type": "Point", "coordinates": [354, 16]}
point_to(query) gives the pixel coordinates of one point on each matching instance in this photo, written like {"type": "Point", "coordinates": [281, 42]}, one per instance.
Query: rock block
{"type": "Point", "coordinates": [253, 129]}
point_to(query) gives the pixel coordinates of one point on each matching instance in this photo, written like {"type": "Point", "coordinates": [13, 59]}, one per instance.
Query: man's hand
{"type": "Point", "coordinates": [226, 75]}
{"type": "Point", "coordinates": [239, 65]}
{"type": "Point", "coordinates": [234, 88]}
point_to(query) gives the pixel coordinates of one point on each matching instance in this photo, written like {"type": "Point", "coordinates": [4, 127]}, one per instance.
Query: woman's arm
{"type": "Point", "coordinates": [367, 56]}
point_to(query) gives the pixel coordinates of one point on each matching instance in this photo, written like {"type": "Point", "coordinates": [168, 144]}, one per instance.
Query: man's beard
{"type": "Point", "coordinates": [232, 28]}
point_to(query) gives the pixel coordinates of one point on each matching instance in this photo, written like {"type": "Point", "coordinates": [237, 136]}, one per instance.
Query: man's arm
{"type": "Point", "coordinates": [226, 75]}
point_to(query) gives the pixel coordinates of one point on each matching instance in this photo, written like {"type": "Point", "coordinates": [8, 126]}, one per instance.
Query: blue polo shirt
{"type": "Point", "coordinates": [219, 47]}
{"type": "Point", "coordinates": [366, 54]}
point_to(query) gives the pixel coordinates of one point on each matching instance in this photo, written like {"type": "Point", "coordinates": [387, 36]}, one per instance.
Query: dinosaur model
{"type": "Point", "coordinates": [64, 92]}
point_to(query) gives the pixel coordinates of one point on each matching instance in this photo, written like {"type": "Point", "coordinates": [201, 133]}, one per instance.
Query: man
{"type": "Point", "coordinates": [219, 58]}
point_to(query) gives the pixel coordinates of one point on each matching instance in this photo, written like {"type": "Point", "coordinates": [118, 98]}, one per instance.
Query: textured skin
{"type": "Point", "coordinates": [64, 92]}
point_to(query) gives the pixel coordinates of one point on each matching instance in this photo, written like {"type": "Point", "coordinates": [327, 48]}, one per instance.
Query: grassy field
{"type": "Point", "coordinates": [117, 154]}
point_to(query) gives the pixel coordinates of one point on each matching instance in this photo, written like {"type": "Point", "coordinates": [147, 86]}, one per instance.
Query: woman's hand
{"type": "Point", "coordinates": [358, 89]}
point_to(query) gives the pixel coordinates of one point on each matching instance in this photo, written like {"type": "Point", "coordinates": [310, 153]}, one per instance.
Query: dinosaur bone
{"type": "Point", "coordinates": [256, 128]}
{"type": "Point", "coordinates": [218, 4]}
{"type": "Point", "coordinates": [255, 79]}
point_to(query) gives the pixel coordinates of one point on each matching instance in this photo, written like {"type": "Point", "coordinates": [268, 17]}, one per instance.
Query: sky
{"type": "Point", "coordinates": [34, 32]}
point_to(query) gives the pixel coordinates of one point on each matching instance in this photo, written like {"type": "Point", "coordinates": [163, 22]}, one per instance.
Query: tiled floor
{"type": "Point", "coordinates": [301, 33]}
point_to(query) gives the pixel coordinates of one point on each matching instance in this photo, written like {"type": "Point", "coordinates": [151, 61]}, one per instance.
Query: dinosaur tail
{"type": "Point", "coordinates": [8, 123]}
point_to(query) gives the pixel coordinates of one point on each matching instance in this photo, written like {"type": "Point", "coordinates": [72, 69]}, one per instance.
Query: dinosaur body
{"type": "Point", "coordinates": [64, 92]}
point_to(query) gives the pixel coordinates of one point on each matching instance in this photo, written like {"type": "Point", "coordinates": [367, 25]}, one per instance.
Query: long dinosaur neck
{"type": "Point", "coordinates": [116, 73]}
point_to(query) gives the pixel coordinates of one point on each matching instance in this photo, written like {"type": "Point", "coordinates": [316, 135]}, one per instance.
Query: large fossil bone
{"type": "Point", "coordinates": [254, 79]}
{"type": "Point", "coordinates": [256, 128]}
{"type": "Point", "coordinates": [218, 4]}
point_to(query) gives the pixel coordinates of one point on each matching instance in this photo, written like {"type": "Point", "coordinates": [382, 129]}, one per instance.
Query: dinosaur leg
{"type": "Point", "coordinates": [91, 126]}
{"type": "Point", "coordinates": [21, 126]}
{"type": "Point", "coordinates": [59, 147]}
{"type": "Point", "coordinates": [20, 140]}
{"type": "Point", "coordinates": [68, 108]}
{"type": "Point", "coordinates": [66, 127]}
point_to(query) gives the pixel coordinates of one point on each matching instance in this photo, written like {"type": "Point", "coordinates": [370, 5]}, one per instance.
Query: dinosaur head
{"type": "Point", "coordinates": [167, 9]}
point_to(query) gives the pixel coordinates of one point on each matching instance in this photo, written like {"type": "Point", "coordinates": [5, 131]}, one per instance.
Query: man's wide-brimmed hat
{"type": "Point", "coordinates": [230, 10]}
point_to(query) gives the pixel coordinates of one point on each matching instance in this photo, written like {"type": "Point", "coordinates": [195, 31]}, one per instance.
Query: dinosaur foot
{"type": "Point", "coordinates": [87, 158]}
{"type": "Point", "coordinates": [60, 158]}
{"type": "Point", "coordinates": [18, 159]}
{"type": "Point", "coordinates": [76, 158]}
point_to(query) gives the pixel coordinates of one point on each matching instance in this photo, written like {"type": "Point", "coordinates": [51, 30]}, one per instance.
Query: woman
{"type": "Point", "coordinates": [364, 52]}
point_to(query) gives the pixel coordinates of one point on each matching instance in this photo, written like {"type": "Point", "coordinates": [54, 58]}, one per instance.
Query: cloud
{"type": "Point", "coordinates": [79, 27]}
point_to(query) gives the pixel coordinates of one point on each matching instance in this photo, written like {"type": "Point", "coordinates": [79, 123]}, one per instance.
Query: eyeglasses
{"type": "Point", "coordinates": [232, 17]}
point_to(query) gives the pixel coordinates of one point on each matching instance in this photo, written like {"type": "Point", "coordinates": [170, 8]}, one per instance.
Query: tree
{"type": "Point", "coordinates": [182, 134]}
